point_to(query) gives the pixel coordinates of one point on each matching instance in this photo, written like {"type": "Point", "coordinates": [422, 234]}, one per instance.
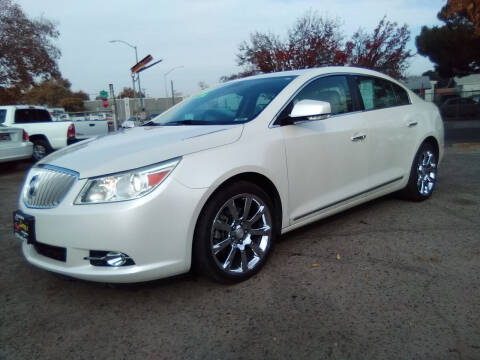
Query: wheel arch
{"type": "Point", "coordinates": [255, 178]}
{"type": "Point", "coordinates": [34, 137]}
{"type": "Point", "coordinates": [432, 141]}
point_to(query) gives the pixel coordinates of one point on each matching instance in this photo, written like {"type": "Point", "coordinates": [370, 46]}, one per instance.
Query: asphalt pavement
{"type": "Point", "coordinates": [389, 279]}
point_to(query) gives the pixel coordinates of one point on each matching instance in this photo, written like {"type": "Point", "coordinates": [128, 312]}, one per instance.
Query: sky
{"type": "Point", "coordinates": [199, 38]}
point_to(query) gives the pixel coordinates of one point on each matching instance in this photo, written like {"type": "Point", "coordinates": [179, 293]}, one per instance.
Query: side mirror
{"type": "Point", "coordinates": [311, 110]}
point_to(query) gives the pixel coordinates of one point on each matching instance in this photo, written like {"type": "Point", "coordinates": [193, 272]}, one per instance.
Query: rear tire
{"type": "Point", "coordinates": [235, 233]}
{"type": "Point", "coordinates": [423, 174]}
{"type": "Point", "coordinates": [41, 148]}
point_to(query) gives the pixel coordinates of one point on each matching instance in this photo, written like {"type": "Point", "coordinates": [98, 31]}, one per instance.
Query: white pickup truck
{"type": "Point", "coordinates": [45, 134]}
{"type": "Point", "coordinates": [91, 125]}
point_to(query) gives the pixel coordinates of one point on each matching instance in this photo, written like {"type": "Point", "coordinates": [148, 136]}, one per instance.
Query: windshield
{"type": "Point", "coordinates": [233, 103]}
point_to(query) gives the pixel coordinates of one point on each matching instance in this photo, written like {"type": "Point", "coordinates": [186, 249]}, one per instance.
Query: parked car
{"type": "Point", "coordinates": [460, 107]}
{"type": "Point", "coordinates": [129, 123]}
{"type": "Point", "coordinates": [214, 181]}
{"type": "Point", "coordinates": [14, 144]}
{"type": "Point", "coordinates": [45, 134]}
{"type": "Point", "coordinates": [58, 114]}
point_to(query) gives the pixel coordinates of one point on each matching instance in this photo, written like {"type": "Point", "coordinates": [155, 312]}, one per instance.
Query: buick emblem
{"type": "Point", "coordinates": [32, 186]}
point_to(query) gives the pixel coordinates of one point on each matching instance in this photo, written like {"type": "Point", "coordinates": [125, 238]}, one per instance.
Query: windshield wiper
{"type": "Point", "coordinates": [187, 122]}
{"type": "Point", "coordinates": [150, 123]}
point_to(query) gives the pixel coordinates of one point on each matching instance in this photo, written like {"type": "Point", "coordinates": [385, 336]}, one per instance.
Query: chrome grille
{"type": "Point", "coordinates": [45, 187]}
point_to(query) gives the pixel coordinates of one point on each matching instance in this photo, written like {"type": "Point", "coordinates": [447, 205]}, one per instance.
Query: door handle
{"type": "Point", "coordinates": [358, 137]}
{"type": "Point", "coordinates": [412, 123]}
{"type": "Point", "coordinates": [91, 124]}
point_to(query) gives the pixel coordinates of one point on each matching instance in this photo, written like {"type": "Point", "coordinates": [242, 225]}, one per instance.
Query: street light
{"type": "Point", "coordinates": [133, 75]}
{"type": "Point", "coordinates": [165, 78]}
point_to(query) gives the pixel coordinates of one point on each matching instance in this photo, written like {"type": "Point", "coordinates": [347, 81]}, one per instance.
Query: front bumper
{"type": "Point", "coordinates": [156, 231]}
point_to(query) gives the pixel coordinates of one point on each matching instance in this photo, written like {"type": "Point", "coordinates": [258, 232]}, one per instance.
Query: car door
{"type": "Point", "coordinates": [392, 127]}
{"type": "Point", "coordinates": [326, 159]}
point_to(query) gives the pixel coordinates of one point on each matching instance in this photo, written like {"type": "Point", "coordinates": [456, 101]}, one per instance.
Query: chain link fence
{"type": "Point", "coordinates": [131, 108]}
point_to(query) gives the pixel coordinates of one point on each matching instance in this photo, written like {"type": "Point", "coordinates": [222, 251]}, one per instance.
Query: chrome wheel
{"type": "Point", "coordinates": [241, 234]}
{"type": "Point", "coordinates": [426, 172]}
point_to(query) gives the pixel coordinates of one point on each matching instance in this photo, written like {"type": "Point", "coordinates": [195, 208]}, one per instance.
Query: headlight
{"type": "Point", "coordinates": [127, 185]}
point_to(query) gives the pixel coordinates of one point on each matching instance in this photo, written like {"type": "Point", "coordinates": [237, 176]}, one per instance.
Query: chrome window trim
{"type": "Point", "coordinates": [272, 124]}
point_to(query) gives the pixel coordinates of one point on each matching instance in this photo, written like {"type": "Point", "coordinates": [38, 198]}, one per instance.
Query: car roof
{"type": "Point", "coordinates": [324, 70]}
{"type": "Point", "coordinates": [320, 71]}
{"type": "Point", "coordinates": [23, 107]}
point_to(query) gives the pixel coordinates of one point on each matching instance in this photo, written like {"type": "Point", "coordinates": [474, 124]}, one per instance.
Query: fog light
{"type": "Point", "coordinates": [115, 259]}
{"type": "Point", "coordinates": [109, 258]}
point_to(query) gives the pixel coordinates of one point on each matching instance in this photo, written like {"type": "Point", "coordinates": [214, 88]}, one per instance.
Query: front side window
{"type": "Point", "coordinates": [331, 89]}
{"type": "Point", "coordinates": [3, 114]}
{"type": "Point", "coordinates": [237, 102]}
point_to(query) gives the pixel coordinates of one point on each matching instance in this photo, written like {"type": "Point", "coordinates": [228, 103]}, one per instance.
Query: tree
{"type": "Point", "coordinates": [239, 75]}
{"type": "Point", "coordinates": [312, 41]}
{"type": "Point", "coordinates": [469, 8]}
{"type": "Point", "coordinates": [441, 81]}
{"type": "Point", "coordinates": [454, 48]}
{"type": "Point", "coordinates": [383, 50]}
{"type": "Point", "coordinates": [53, 93]}
{"type": "Point", "coordinates": [27, 52]}
{"type": "Point", "coordinates": [75, 103]}
{"type": "Point", "coordinates": [129, 93]}
{"type": "Point", "coordinates": [315, 41]}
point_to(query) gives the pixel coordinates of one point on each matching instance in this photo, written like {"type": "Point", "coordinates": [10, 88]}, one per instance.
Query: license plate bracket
{"type": "Point", "coordinates": [24, 226]}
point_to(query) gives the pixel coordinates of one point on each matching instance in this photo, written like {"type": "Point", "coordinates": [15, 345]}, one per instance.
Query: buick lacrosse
{"type": "Point", "coordinates": [213, 182]}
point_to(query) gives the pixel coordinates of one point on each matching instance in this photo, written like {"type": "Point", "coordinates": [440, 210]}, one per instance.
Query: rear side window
{"type": "Point", "coordinates": [376, 93]}
{"type": "Point", "coordinates": [3, 114]}
{"type": "Point", "coordinates": [401, 94]}
{"type": "Point", "coordinates": [23, 116]}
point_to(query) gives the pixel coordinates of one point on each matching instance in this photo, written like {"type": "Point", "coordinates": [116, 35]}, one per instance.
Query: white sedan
{"type": "Point", "coordinates": [14, 144]}
{"type": "Point", "coordinates": [214, 181]}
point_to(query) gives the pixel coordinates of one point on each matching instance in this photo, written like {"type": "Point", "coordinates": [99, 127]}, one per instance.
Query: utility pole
{"type": "Point", "coordinates": [165, 77]}
{"type": "Point", "coordinates": [134, 47]}
{"type": "Point", "coordinates": [173, 99]}
{"type": "Point", "coordinates": [114, 105]}
{"type": "Point", "coordinates": [134, 102]}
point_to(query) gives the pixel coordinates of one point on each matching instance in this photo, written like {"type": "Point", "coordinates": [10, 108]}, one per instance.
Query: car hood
{"type": "Point", "coordinates": [133, 148]}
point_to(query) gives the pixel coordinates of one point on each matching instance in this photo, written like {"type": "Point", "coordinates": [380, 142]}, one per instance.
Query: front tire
{"type": "Point", "coordinates": [423, 174]}
{"type": "Point", "coordinates": [235, 233]}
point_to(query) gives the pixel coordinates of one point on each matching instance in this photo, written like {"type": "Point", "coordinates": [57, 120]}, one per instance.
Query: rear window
{"type": "Point", "coordinates": [3, 114]}
{"type": "Point", "coordinates": [23, 116]}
